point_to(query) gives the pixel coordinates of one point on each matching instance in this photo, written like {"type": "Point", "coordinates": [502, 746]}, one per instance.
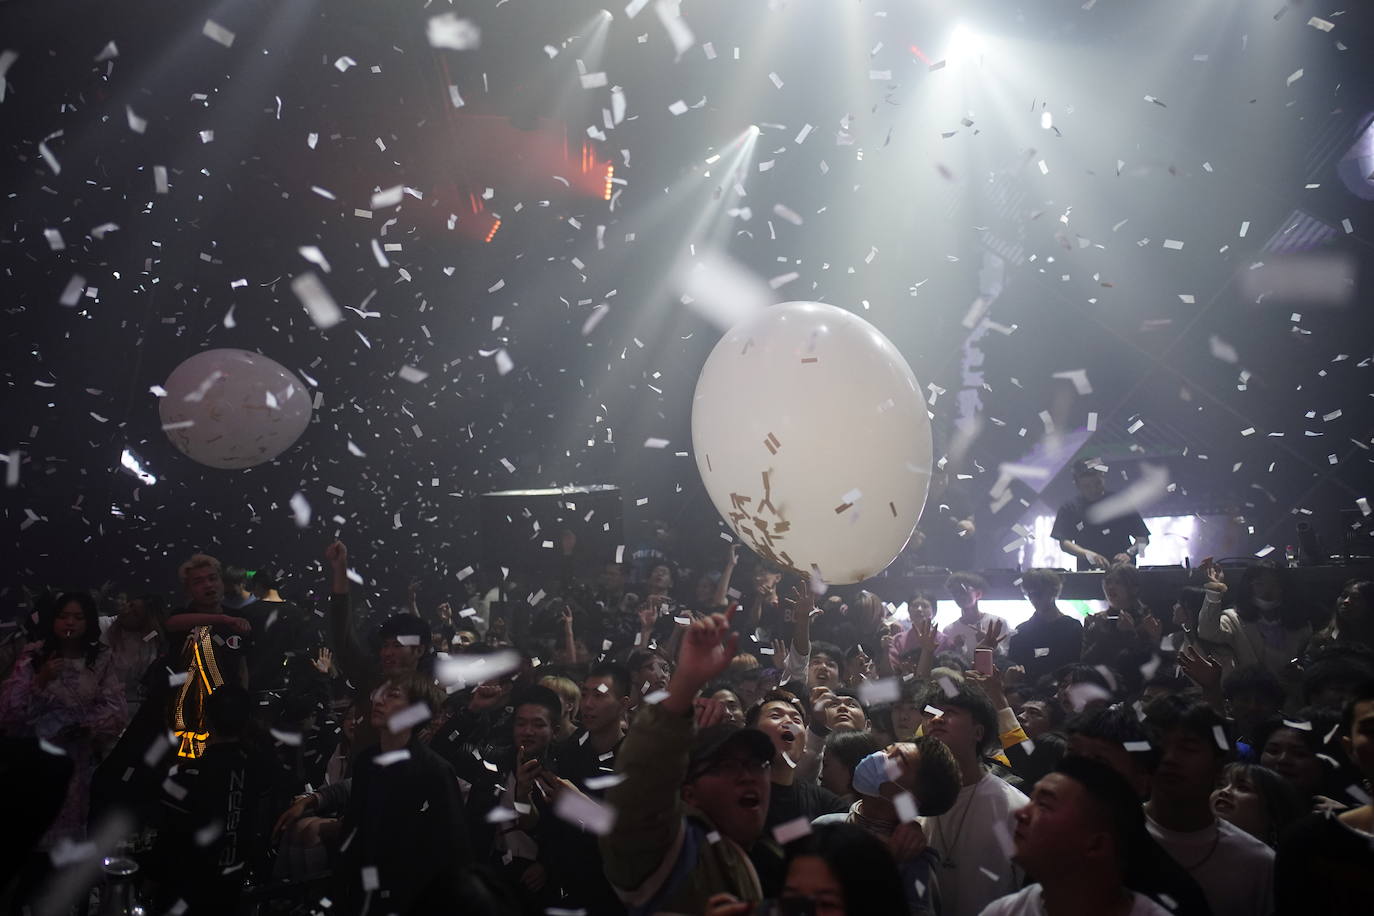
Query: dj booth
{"type": "Point", "coordinates": [1159, 585]}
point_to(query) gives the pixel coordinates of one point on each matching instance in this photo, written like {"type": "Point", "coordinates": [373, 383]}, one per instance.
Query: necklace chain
{"type": "Point", "coordinates": [940, 828]}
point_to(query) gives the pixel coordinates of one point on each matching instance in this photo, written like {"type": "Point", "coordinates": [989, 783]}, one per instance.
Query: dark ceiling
{"type": "Point", "coordinates": [904, 206]}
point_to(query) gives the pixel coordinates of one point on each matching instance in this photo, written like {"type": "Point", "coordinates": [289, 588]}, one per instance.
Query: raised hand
{"type": "Point", "coordinates": [336, 555]}
{"type": "Point", "coordinates": [325, 663]}
{"type": "Point", "coordinates": [708, 712]}
{"type": "Point", "coordinates": [707, 647]}
{"type": "Point", "coordinates": [927, 635]}
{"type": "Point", "coordinates": [1151, 628]}
{"type": "Point", "coordinates": [1204, 670]}
{"type": "Point", "coordinates": [989, 638]}
{"type": "Point", "coordinates": [802, 600]}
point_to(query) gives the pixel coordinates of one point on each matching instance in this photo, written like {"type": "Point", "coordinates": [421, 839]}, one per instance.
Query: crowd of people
{"type": "Point", "coordinates": [645, 738]}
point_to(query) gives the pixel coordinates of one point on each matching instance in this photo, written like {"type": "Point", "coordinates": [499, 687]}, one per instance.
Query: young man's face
{"type": "Point", "coordinates": [1091, 486]}
{"type": "Point", "coordinates": [732, 791]}
{"type": "Point", "coordinates": [903, 767]}
{"type": "Point", "coordinates": [956, 729]}
{"type": "Point", "coordinates": [966, 596]}
{"type": "Point", "coordinates": [387, 701]}
{"type": "Point", "coordinates": [612, 578]}
{"type": "Point", "coordinates": [601, 704]}
{"type": "Point", "coordinates": [650, 676]}
{"type": "Point", "coordinates": [845, 713]}
{"type": "Point", "coordinates": [1359, 744]}
{"type": "Point", "coordinates": [1035, 718]}
{"type": "Point", "coordinates": [782, 723]}
{"type": "Point", "coordinates": [907, 717]}
{"type": "Point", "coordinates": [1052, 830]}
{"type": "Point", "coordinates": [1116, 593]}
{"type": "Point", "coordinates": [533, 729]}
{"type": "Point", "coordinates": [823, 671]}
{"type": "Point", "coordinates": [1189, 767]}
{"type": "Point", "coordinates": [734, 710]}
{"type": "Point", "coordinates": [661, 578]}
{"type": "Point", "coordinates": [396, 658]}
{"type": "Point", "coordinates": [205, 586]}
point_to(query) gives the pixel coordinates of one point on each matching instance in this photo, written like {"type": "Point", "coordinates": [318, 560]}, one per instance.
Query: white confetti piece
{"type": "Point", "coordinates": [721, 290]}
{"type": "Point", "coordinates": [679, 33]}
{"type": "Point", "coordinates": [449, 30]}
{"type": "Point", "coordinates": [468, 670]}
{"type": "Point", "coordinates": [907, 809]}
{"type": "Point", "coordinates": [678, 107]}
{"type": "Point", "coordinates": [160, 179]}
{"type": "Point", "coordinates": [218, 33]}
{"type": "Point", "coordinates": [579, 810]}
{"type": "Point", "coordinates": [409, 717]}
{"type": "Point", "coordinates": [794, 829]}
{"type": "Point", "coordinates": [655, 443]}
{"type": "Point", "coordinates": [136, 124]}
{"type": "Point", "coordinates": [7, 59]}
{"type": "Point", "coordinates": [1295, 76]}
{"type": "Point", "coordinates": [881, 692]}
{"type": "Point", "coordinates": [388, 198]}
{"type": "Point", "coordinates": [599, 783]}
{"type": "Point", "coordinates": [71, 293]}
{"type": "Point", "coordinates": [412, 375]}
{"type": "Point", "coordinates": [1044, 168]}
{"type": "Point", "coordinates": [775, 80]}
{"type": "Point", "coordinates": [1264, 551]}
{"type": "Point", "coordinates": [1173, 244]}
{"type": "Point", "coordinates": [300, 510]}
{"type": "Point", "coordinates": [321, 307]}
{"type": "Point", "coordinates": [1222, 350]}
{"type": "Point", "coordinates": [49, 158]}
{"type": "Point", "coordinates": [1317, 22]}
{"type": "Point", "coordinates": [371, 880]}
{"type": "Point", "coordinates": [290, 739]}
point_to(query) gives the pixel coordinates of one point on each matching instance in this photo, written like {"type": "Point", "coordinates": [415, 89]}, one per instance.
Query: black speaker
{"type": "Point", "coordinates": [522, 529]}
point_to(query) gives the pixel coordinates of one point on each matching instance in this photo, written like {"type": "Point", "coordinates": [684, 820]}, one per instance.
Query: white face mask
{"type": "Point", "coordinates": [1264, 605]}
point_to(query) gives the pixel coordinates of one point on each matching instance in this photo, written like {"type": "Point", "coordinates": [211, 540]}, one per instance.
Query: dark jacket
{"type": "Point", "coordinates": [405, 820]}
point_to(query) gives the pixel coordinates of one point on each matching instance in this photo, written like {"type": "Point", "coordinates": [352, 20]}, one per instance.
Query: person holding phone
{"type": "Point", "coordinates": [964, 635]}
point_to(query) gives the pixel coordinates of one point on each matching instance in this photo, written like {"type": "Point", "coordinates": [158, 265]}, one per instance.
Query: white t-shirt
{"type": "Point", "coordinates": [974, 843]}
{"type": "Point", "coordinates": [1027, 903]}
{"type": "Point", "coordinates": [1234, 870]}
{"type": "Point", "coordinates": [961, 638]}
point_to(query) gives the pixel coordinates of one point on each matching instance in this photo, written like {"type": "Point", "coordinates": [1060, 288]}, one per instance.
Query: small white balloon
{"type": "Point", "coordinates": [231, 408]}
{"type": "Point", "coordinates": [813, 440]}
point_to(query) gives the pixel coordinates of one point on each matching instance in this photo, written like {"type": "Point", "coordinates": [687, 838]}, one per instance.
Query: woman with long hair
{"type": "Point", "coordinates": [1353, 622]}
{"type": "Point", "coordinates": [1258, 801]}
{"type": "Point", "coordinates": [65, 691]}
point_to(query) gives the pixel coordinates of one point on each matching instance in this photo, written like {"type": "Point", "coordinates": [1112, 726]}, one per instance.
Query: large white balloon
{"type": "Point", "coordinates": [233, 408]}
{"type": "Point", "coordinates": [813, 440]}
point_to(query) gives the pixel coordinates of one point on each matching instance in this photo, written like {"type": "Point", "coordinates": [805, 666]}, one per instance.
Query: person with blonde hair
{"type": "Point", "coordinates": [570, 695]}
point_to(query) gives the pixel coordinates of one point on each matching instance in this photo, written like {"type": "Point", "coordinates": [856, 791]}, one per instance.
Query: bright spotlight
{"type": "Point", "coordinates": [965, 46]}
{"type": "Point", "coordinates": [754, 130]}
{"type": "Point", "coordinates": [134, 465]}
